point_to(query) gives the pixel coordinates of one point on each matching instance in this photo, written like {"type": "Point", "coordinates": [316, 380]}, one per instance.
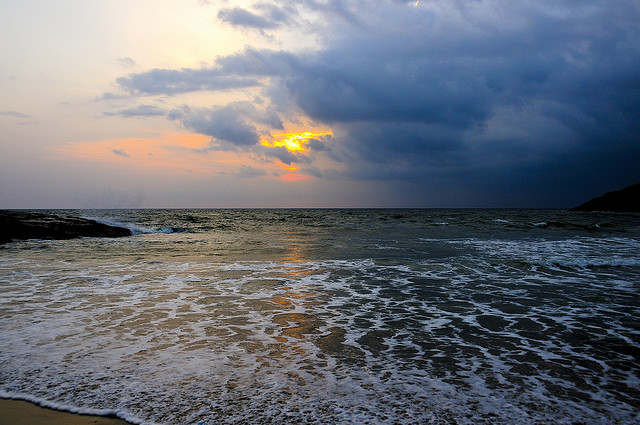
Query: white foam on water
{"type": "Point", "coordinates": [134, 228]}
{"type": "Point", "coordinates": [578, 252]}
{"type": "Point", "coordinates": [70, 408]}
{"type": "Point", "coordinates": [478, 340]}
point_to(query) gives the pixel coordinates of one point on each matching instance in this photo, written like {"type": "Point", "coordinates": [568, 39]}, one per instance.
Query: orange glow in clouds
{"type": "Point", "coordinates": [294, 142]}
{"type": "Point", "coordinates": [179, 153]}
{"type": "Point", "coordinates": [166, 153]}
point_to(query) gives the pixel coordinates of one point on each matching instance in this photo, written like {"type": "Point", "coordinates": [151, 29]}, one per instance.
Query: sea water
{"type": "Point", "coordinates": [330, 316]}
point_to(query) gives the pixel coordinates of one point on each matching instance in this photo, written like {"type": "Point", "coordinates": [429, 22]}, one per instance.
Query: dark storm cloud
{"type": "Point", "coordinates": [228, 125]}
{"type": "Point", "coordinates": [282, 154]}
{"type": "Point", "coordinates": [434, 95]}
{"type": "Point", "coordinates": [459, 79]}
{"type": "Point", "coordinates": [236, 71]}
{"type": "Point", "coordinates": [318, 145]}
{"type": "Point", "coordinates": [416, 145]}
{"type": "Point", "coordinates": [464, 93]}
{"type": "Point", "coordinates": [225, 125]}
{"type": "Point", "coordinates": [262, 115]}
{"type": "Point", "coordinates": [254, 63]}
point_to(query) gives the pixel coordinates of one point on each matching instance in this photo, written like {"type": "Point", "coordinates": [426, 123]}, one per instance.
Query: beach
{"type": "Point", "coordinates": [18, 412]}
{"type": "Point", "coordinates": [329, 316]}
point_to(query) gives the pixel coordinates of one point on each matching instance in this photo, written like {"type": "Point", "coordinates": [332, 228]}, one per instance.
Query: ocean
{"type": "Point", "coordinates": [334, 316]}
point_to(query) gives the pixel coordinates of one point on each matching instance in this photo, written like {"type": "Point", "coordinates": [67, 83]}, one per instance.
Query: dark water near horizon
{"type": "Point", "coordinates": [330, 316]}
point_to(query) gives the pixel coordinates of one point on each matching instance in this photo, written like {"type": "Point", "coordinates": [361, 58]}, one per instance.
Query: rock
{"type": "Point", "coordinates": [21, 225]}
{"type": "Point", "coordinates": [624, 200]}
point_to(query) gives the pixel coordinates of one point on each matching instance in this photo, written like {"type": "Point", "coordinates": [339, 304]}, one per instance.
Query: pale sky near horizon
{"type": "Point", "coordinates": [317, 103]}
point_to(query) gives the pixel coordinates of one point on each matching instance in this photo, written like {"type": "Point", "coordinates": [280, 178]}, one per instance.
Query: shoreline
{"type": "Point", "coordinates": [21, 412]}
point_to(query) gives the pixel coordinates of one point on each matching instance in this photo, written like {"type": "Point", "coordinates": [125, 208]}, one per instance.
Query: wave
{"type": "Point", "coordinates": [576, 253]}
{"type": "Point", "coordinates": [136, 229]}
{"type": "Point", "coordinates": [540, 224]}
{"type": "Point", "coordinates": [588, 263]}
{"type": "Point", "coordinates": [109, 413]}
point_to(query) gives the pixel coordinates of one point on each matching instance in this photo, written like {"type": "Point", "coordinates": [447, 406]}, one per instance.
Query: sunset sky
{"type": "Point", "coordinates": [317, 103]}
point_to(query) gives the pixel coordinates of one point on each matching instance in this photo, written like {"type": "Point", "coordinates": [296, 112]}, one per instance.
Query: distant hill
{"type": "Point", "coordinates": [624, 200]}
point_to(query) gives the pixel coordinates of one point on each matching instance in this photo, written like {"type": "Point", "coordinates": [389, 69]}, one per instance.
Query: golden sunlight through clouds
{"type": "Point", "coordinates": [294, 142]}
{"type": "Point", "coordinates": [181, 154]}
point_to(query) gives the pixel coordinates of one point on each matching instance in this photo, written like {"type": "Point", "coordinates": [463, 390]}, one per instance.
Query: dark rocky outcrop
{"type": "Point", "coordinates": [625, 200]}
{"type": "Point", "coordinates": [21, 225]}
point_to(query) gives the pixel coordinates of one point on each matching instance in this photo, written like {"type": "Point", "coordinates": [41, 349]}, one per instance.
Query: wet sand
{"type": "Point", "coordinates": [17, 412]}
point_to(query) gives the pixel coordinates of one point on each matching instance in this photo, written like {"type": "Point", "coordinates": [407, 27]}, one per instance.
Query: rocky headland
{"type": "Point", "coordinates": [22, 225]}
{"type": "Point", "coordinates": [624, 200]}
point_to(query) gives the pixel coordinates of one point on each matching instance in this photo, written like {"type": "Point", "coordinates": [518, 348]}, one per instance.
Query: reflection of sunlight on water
{"type": "Point", "coordinates": [304, 337]}
{"type": "Point", "coordinates": [296, 324]}
{"type": "Point", "coordinates": [294, 250]}
{"type": "Point", "coordinates": [300, 324]}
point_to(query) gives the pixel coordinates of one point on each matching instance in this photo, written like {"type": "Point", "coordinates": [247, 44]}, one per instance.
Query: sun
{"type": "Point", "coordinates": [294, 142]}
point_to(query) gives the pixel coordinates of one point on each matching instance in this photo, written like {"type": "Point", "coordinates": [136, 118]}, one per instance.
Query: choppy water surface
{"type": "Point", "coordinates": [330, 316]}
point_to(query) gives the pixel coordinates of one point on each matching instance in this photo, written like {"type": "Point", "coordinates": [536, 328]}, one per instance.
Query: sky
{"type": "Point", "coordinates": [317, 103]}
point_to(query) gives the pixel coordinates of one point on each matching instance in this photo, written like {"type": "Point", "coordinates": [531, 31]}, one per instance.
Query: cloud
{"type": "Point", "coordinates": [414, 145]}
{"type": "Point", "coordinates": [425, 96]}
{"type": "Point", "coordinates": [446, 91]}
{"type": "Point", "coordinates": [248, 172]}
{"type": "Point", "coordinates": [296, 14]}
{"type": "Point", "coordinates": [271, 17]}
{"type": "Point", "coordinates": [15, 114]}
{"type": "Point", "coordinates": [126, 62]}
{"type": "Point", "coordinates": [235, 71]}
{"type": "Point", "coordinates": [110, 96]}
{"type": "Point", "coordinates": [167, 81]}
{"type": "Point", "coordinates": [120, 152]}
{"type": "Point", "coordinates": [259, 63]}
{"type": "Point", "coordinates": [231, 126]}
{"type": "Point", "coordinates": [282, 154]}
{"type": "Point", "coordinates": [138, 111]}
{"type": "Point", "coordinates": [226, 125]}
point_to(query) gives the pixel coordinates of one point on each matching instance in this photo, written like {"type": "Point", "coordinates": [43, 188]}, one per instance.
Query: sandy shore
{"type": "Point", "coordinates": [16, 412]}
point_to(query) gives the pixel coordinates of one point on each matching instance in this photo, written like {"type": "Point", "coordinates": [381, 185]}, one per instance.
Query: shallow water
{"type": "Point", "coordinates": [330, 316]}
